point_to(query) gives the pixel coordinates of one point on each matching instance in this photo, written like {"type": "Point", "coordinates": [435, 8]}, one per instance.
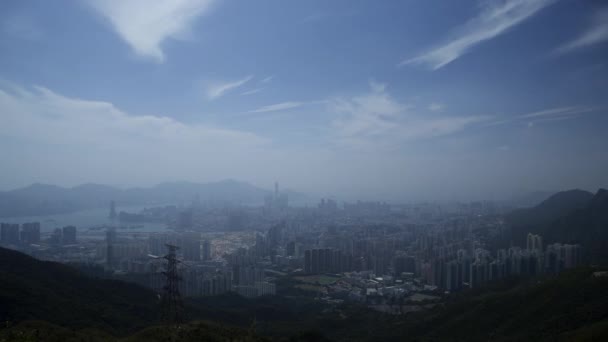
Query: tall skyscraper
{"type": "Point", "coordinates": [274, 235]}
{"type": "Point", "coordinates": [206, 251]}
{"type": "Point", "coordinates": [276, 202]}
{"type": "Point", "coordinates": [112, 214]}
{"type": "Point", "coordinates": [9, 233]}
{"type": "Point", "coordinates": [30, 233]}
{"type": "Point", "coordinates": [184, 220]}
{"type": "Point", "coordinates": [56, 237]}
{"type": "Point", "coordinates": [191, 246]}
{"type": "Point", "coordinates": [290, 249]}
{"type": "Point", "coordinates": [69, 235]}
{"type": "Point", "coordinates": [308, 261]}
{"type": "Point", "coordinates": [110, 240]}
{"type": "Point", "coordinates": [534, 243]}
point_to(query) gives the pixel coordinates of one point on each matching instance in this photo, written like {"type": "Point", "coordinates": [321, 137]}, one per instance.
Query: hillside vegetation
{"type": "Point", "coordinates": [55, 301]}
{"type": "Point", "coordinates": [574, 216]}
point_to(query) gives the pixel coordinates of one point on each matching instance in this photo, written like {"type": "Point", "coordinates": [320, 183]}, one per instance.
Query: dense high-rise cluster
{"type": "Point", "coordinates": [29, 234]}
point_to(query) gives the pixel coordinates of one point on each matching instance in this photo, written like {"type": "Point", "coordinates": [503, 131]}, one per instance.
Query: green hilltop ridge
{"type": "Point", "coordinates": [41, 300]}
{"type": "Point", "coordinates": [572, 216]}
{"type": "Point", "coordinates": [555, 206]}
{"type": "Point", "coordinates": [191, 332]}
{"type": "Point", "coordinates": [40, 290]}
{"type": "Point", "coordinates": [571, 306]}
{"type": "Point", "coordinates": [587, 226]}
{"type": "Point", "coordinates": [47, 299]}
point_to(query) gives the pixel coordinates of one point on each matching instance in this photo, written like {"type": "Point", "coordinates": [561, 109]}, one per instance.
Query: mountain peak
{"type": "Point", "coordinates": [567, 199]}
{"type": "Point", "coordinates": [557, 205]}
{"type": "Point", "coordinates": [600, 199]}
{"type": "Point", "coordinates": [602, 192]}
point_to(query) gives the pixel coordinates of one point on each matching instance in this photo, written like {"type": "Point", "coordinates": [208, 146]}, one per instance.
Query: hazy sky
{"type": "Point", "coordinates": [386, 99]}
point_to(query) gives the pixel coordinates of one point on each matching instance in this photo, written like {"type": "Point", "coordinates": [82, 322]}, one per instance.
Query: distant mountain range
{"type": "Point", "coordinates": [573, 216]}
{"type": "Point", "coordinates": [43, 199]}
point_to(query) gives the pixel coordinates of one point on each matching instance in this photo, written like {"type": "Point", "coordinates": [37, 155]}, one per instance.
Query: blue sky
{"type": "Point", "coordinates": [385, 99]}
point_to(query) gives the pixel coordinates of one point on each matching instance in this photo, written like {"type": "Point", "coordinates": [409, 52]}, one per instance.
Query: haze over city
{"type": "Point", "coordinates": [404, 100]}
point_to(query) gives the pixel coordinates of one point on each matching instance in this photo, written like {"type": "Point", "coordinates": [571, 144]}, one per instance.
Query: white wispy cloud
{"type": "Point", "coordinates": [377, 87]}
{"type": "Point", "coordinates": [547, 115]}
{"type": "Point", "coordinates": [495, 18]}
{"type": "Point", "coordinates": [596, 33]}
{"type": "Point", "coordinates": [376, 117]}
{"type": "Point", "coordinates": [252, 91]}
{"type": "Point", "coordinates": [278, 107]}
{"type": "Point", "coordinates": [556, 114]}
{"type": "Point", "coordinates": [216, 90]}
{"type": "Point", "coordinates": [97, 139]}
{"type": "Point", "coordinates": [560, 111]}
{"type": "Point", "coordinates": [436, 107]}
{"type": "Point", "coordinates": [266, 79]}
{"type": "Point", "coordinates": [557, 118]}
{"type": "Point", "coordinates": [47, 115]}
{"type": "Point", "coordinates": [145, 25]}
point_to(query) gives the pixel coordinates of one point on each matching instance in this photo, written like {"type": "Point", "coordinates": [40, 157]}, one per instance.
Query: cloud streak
{"type": "Point", "coordinates": [252, 91]}
{"type": "Point", "coordinates": [216, 90]}
{"type": "Point", "coordinates": [278, 107]}
{"type": "Point", "coordinates": [145, 25]}
{"type": "Point", "coordinates": [556, 114]}
{"type": "Point", "coordinates": [266, 79]}
{"type": "Point", "coordinates": [560, 111]}
{"type": "Point", "coordinates": [547, 115]}
{"type": "Point", "coordinates": [495, 19]}
{"type": "Point", "coordinates": [376, 119]}
{"type": "Point", "coordinates": [436, 107]}
{"type": "Point", "coordinates": [596, 33]}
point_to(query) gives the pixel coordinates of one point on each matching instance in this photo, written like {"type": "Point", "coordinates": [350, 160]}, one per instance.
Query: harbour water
{"type": "Point", "coordinates": [88, 219]}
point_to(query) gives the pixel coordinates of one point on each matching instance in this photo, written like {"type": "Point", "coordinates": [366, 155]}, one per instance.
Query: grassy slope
{"type": "Point", "coordinates": [565, 306]}
{"type": "Point", "coordinates": [35, 290]}
{"type": "Point", "coordinates": [195, 331]}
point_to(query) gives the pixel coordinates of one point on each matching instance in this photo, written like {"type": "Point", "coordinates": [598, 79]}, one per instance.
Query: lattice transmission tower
{"type": "Point", "coordinates": [171, 300]}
